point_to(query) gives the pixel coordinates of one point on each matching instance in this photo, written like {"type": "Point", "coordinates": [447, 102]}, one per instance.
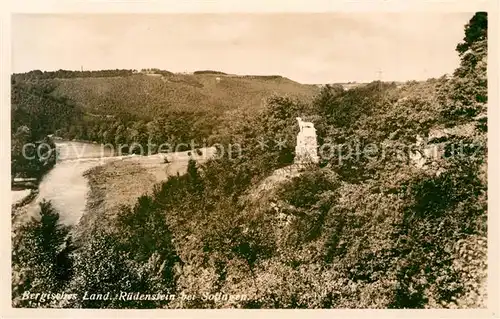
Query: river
{"type": "Point", "coordinates": [64, 185]}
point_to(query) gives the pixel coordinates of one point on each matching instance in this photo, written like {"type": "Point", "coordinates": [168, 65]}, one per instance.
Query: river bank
{"type": "Point", "coordinates": [64, 184]}
{"type": "Point", "coordinates": [88, 183]}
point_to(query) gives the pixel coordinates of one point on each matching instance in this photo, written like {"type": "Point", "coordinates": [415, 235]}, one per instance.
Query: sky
{"type": "Point", "coordinates": [305, 47]}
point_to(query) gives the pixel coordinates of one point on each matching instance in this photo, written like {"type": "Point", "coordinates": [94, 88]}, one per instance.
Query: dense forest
{"type": "Point", "coordinates": [62, 74]}
{"type": "Point", "coordinates": [368, 230]}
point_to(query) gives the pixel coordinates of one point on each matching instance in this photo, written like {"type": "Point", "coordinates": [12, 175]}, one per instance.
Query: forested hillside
{"type": "Point", "coordinates": [122, 107]}
{"type": "Point", "coordinates": [375, 225]}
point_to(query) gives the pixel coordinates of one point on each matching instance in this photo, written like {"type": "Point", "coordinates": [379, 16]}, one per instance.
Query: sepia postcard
{"type": "Point", "coordinates": [238, 159]}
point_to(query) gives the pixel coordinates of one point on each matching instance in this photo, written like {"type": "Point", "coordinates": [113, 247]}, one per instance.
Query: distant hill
{"type": "Point", "coordinates": [145, 96]}
{"type": "Point", "coordinates": [352, 85]}
{"type": "Point", "coordinates": [125, 106]}
{"type": "Point", "coordinates": [208, 72]}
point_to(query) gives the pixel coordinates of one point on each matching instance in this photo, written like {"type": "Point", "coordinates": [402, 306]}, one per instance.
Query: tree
{"type": "Point", "coordinates": [194, 179]}
{"type": "Point", "coordinates": [121, 139]}
{"type": "Point", "coordinates": [41, 257]}
{"type": "Point", "coordinates": [102, 266]}
{"type": "Point", "coordinates": [464, 96]}
{"type": "Point", "coordinates": [475, 30]}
